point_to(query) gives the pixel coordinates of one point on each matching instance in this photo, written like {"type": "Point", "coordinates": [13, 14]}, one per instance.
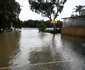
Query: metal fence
{"type": "Point", "coordinates": [74, 22]}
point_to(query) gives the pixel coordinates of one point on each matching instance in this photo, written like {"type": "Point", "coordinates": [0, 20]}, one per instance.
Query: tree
{"type": "Point", "coordinates": [9, 12]}
{"type": "Point", "coordinates": [42, 27]}
{"type": "Point", "coordinates": [79, 8]}
{"type": "Point", "coordinates": [17, 24]}
{"type": "Point", "coordinates": [47, 7]}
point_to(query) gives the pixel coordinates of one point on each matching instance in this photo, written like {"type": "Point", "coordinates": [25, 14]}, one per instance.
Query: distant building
{"type": "Point", "coordinates": [83, 12]}
{"type": "Point", "coordinates": [74, 22]}
{"type": "Point", "coordinates": [74, 26]}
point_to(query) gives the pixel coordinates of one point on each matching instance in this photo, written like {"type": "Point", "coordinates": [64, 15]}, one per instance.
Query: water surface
{"type": "Point", "coordinates": [29, 46]}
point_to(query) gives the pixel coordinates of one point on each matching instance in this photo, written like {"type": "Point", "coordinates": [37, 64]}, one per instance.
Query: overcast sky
{"type": "Point", "coordinates": [27, 14]}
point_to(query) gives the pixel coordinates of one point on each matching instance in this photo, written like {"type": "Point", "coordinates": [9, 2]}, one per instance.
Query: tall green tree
{"type": "Point", "coordinates": [79, 8]}
{"type": "Point", "coordinates": [9, 11]}
{"type": "Point", "coordinates": [48, 8]}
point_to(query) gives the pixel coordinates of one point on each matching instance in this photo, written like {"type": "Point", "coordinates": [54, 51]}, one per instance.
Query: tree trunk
{"type": "Point", "coordinates": [79, 13]}
{"type": "Point", "coordinates": [54, 27]}
{"type": "Point", "coordinates": [46, 0]}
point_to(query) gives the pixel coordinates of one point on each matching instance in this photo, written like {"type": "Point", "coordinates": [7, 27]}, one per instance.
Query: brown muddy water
{"type": "Point", "coordinates": [29, 46]}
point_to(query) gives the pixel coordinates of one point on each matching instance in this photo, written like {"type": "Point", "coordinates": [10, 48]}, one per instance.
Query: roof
{"type": "Point", "coordinates": [82, 16]}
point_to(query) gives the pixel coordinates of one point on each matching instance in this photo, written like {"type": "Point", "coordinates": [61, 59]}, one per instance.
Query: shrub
{"type": "Point", "coordinates": [42, 27]}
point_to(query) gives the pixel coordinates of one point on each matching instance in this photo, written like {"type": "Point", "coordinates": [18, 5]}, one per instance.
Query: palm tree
{"type": "Point", "coordinates": [79, 8]}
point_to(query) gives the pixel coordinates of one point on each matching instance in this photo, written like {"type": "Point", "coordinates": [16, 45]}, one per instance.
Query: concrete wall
{"type": "Point", "coordinates": [73, 31]}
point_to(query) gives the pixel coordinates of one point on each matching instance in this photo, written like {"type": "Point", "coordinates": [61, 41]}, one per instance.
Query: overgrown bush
{"type": "Point", "coordinates": [42, 27]}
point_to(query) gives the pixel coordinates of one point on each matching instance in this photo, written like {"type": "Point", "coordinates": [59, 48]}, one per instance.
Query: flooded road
{"type": "Point", "coordinates": [29, 49]}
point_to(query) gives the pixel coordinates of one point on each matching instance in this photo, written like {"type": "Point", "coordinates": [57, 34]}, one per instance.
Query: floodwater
{"type": "Point", "coordinates": [30, 49]}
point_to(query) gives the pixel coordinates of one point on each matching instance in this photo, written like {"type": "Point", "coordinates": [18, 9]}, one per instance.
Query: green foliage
{"type": "Point", "coordinates": [46, 7]}
{"type": "Point", "coordinates": [42, 27]}
{"type": "Point", "coordinates": [34, 23]}
{"type": "Point", "coordinates": [79, 8]}
{"type": "Point", "coordinates": [9, 12]}
{"type": "Point", "coordinates": [17, 24]}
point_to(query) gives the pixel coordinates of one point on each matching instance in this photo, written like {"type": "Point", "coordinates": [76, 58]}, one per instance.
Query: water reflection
{"type": "Point", "coordinates": [31, 47]}
{"type": "Point", "coordinates": [74, 50]}
{"type": "Point", "coordinates": [42, 35]}
{"type": "Point", "coordinates": [47, 53]}
{"type": "Point", "coordinates": [41, 53]}
{"type": "Point", "coordinates": [9, 48]}
{"type": "Point", "coordinates": [57, 56]}
{"type": "Point", "coordinates": [44, 55]}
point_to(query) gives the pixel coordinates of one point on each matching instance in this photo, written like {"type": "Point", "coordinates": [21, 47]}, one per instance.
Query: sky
{"type": "Point", "coordinates": [27, 14]}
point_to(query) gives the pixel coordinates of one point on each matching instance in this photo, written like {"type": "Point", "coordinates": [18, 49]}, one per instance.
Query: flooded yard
{"type": "Point", "coordinates": [30, 49]}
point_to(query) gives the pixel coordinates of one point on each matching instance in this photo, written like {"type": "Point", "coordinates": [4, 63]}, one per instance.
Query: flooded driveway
{"type": "Point", "coordinates": [30, 49]}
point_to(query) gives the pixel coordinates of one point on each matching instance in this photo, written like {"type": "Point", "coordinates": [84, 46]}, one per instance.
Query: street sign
{"type": "Point", "coordinates": [53, 22]}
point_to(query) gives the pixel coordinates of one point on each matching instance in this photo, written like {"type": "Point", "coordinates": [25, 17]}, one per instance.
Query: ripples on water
{"type": "Point", "coordinates": [29, 46]}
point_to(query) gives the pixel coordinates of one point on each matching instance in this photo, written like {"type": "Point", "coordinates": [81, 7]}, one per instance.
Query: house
{"type": "Point", "coordinates": [74, 25]}
{"type": "Point", "coordinates": [74, 22]}
{"type": "Point", "coordinates": [83, 12]}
